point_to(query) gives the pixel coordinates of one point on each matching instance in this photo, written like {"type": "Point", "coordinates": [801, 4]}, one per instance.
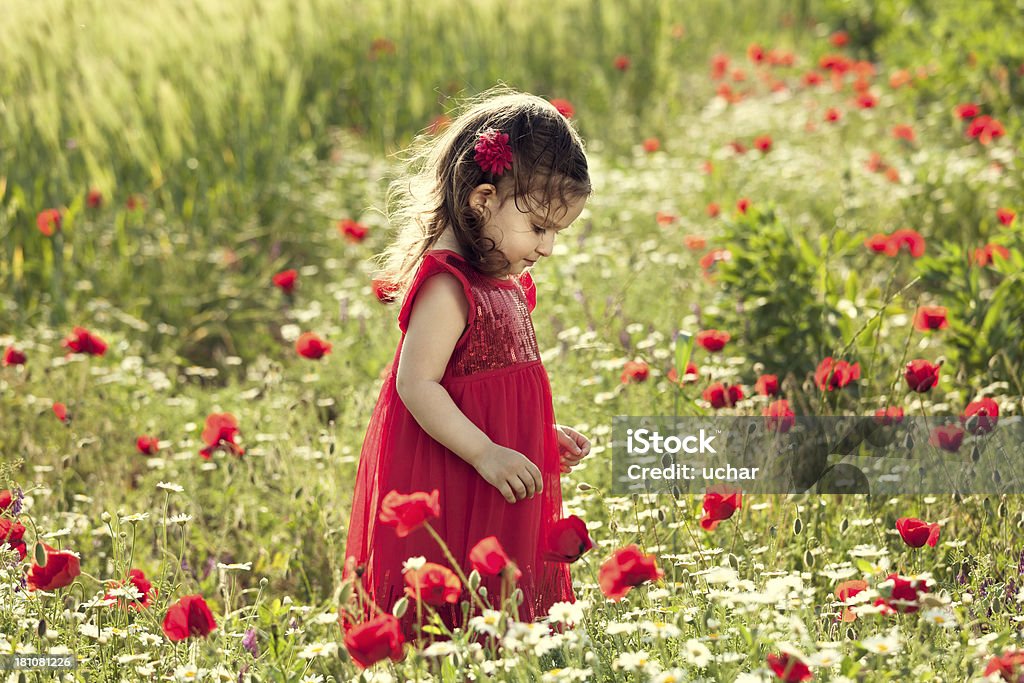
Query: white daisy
{"type": "Point", "coordinates": [567, 612]}
{"type": "Point", "coordinates": [413, 563]}
{"type": "Point", "coordinates": [940, 616]}
{"type": "Point", "coordinates": [671, 676]}
{"type": "Point", "coordinates": [882, 644]}
{"type": "Point", "coordinates": [488, 622]}
{"type": "Point", "coordinates": [696, 653]}
{"type": "Point", "coordinates": [168, 486]}
{"type": "Point", "coordinates": [660, 629]}
{"type": "Point", "coordinates": [635, 661]}
{"type": "Point", "coordinates": [442, 648]}
{"type": "Point", "coordinates": [318, 649]}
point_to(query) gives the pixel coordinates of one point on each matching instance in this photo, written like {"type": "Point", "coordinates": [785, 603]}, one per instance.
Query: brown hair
{"type": "Point", "coordinates": [549, 167]}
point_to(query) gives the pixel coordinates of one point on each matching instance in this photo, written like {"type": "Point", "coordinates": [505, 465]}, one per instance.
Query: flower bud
{"type": "Point", "coordinates": [400, 606]}
{"type": "Point", "coordinates": [474, 580]}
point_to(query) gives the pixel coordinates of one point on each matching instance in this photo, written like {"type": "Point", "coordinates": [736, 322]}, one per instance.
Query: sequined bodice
{"type": "Point", "coordinates": [501, 332]}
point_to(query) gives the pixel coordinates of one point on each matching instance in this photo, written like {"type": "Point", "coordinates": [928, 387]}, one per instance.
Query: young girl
{"type": "Point", "coordinates": [466, 408]}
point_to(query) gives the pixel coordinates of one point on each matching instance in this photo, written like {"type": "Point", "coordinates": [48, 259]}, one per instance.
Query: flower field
{"type": "Point", "coordinates": [799, 210]}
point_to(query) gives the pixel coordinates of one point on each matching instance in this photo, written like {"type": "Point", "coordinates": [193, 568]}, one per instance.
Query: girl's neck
{"type": "Point", "coordinates": [446, 240]}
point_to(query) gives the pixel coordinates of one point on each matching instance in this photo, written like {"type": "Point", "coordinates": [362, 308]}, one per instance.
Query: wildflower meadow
{"type": "Point", "coordinates": [801, 209]}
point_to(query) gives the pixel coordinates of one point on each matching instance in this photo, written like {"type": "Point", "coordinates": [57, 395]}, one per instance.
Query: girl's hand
{"type": "Point", "coordinates": [572, 447]}
{"type": "Point", "coordinates": [510, 472]}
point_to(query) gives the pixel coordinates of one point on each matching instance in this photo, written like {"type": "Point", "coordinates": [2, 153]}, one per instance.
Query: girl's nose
{"type": "Point", "coordinates": [547, 242]}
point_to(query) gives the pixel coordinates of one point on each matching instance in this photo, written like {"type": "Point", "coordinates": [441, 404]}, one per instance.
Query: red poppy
{"type": "Point", "coordinates": [13, 356]}
{"type": "Point", "coordinates": [688, 377]}
{"type": "Point", "coordinates": [767, 385]}
{"type": "Point", "coordinates": [789, 668]}
{"type": "Point", "coordinates": [845, 591]}
{"type": "Point", "coordinates": [189, 617]}
{"type": "Point", "coordinates": [981, 416]}
{"type": "Point", "coordinates": [708, 260]}
{"type": "Point", "coordinates": [490, 559]}
{"type": "Point", "coordinates": [652, 145]}
{"type": "Point", "coordinates": [286, 280]}
{"type": "Point", "coordinates": [434, 584]}
{"type": "Point", "coordinates": [899, 78]}
{"type": "Point", "coordinates": [874, 164]}
{"type": "Point", "coordinates": [721, 396]}
{"type": "Point", "coordinates": [567, 540]}
{"type": "Point", "coordinates": [779, 416]}
{"type": "Point", "coordinates": [812, 78]}
{"type": "Point", "coordinates": [354, 231]}
{"type": "Point", "coordinates": [564, 107]}
{"type": "Point", "coordinates": [889, 416]}
{"type": "Point", "coordinates": [713, 340]}
{"type": "Point", "coordinates": [901, 594]}
{"type": "Point", "coordinates": [220, 432]}
{"type": "Point", "coordinates": [1009, 666]}
{"type": "Point", "coordinates": [755, 53]}
{"type": "Point", "coordinates": [832, 114]}
{"type": "Point", "coordinates": [61, 569]}
{"type": "Point", "coordinates": [384, 290]}
{"type": "Point", "coordinates": [1006, 216]}
{"type": "Point", "coordinates": [985, 129]}
{"type": "Point", "coordinates": [866, 100]}
{"type": "Point", "coordinates": [763, 143]}
{"type": "Point", "coordinates": [12, 533]}
{"type": "Point", "coordinates": [921, 375]}
{"type": "Point", "coordinates": [839, 38]}
{"type": "Point", "coordinates": [621, 62]}
{"type": "Point", "coordinates": [719, 65]}
{"type": "Point", "coordinates": [931, 318]}
{"type": "Point", "coordinates": [147, 445]}
{"type": "Point", "coordinates": [94, 199]}
{"type": "Point", "coordinates": [61, 411]}
{"type": "Point", "coordinates": [82, 340]}
{"type": "Point", "coordinates": [634, 371]}
{"type": "Point", "coordinates": [713, 209]}
{"type": "Point", "coordinates": [947, 437]}
{"type": "Point", "coordinates": [6, 501]}
{"type": "Point", "coordinates": [911, 239]}
{"type": "Point", "coordinates": [781, 58]}
{"type": "Point", "coordinates": [407, 512]}
{"type": "Point", "coordinates": [916, 533]}
{"type": "Point", "coordinates": [742, 205]}
{"type": "Point", "coordinates": [719, 506]}
{"type": "Point", "coordinates": [835, 63]}
{"type": "Point", "coordinates": [134, 202]}
{"type": "Point", "coordinates": [967, 111]}
{"type": "Point", "coordinates": [738, 75]}
{"type": "Point", "coordinates": [309, 345]}
{"type": "Point", "coordinates": [374, 640]}
{"type": "Point", "coordinates": [49, 221]}
{"type": "Point", "coordinates": [831, 374]}
{"type": "Point", "coordinates": [880, 244]}
{"type": "Point", "coordinates": [985, 255]}
{"type": "Point", "coordinates": [903, 132]}
{"type": "Point", "coordinates": [695, 242]}
{"type": "Point", "coordinates": [664, 218]}
{"type": "Point", "coordinates": [141, 583]}
{"type": "Point", "coordinates": [626, 568]}
{"type": "Point", "coordinates": [738, 147]}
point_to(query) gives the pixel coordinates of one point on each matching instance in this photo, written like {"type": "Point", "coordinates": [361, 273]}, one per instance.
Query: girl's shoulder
{"type": "Point", "coordinates": [436, 262]}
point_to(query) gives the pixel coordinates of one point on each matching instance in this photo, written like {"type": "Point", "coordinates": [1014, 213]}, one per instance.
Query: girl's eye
{"type": "Point", "coordinates": [538, 228]}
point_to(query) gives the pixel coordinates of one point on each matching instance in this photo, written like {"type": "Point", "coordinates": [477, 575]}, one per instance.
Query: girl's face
{"type": "Point", "coordinates": [524, 234]}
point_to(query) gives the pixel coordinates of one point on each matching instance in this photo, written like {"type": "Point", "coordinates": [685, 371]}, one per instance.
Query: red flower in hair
{"type": "Point", "coordinates": [564, 107]}
{"type": "Point", "coordinates": [493, 153]}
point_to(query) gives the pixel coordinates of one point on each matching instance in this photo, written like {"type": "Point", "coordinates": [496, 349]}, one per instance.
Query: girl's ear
{"type": "Point", "coordinates": [483, 197]}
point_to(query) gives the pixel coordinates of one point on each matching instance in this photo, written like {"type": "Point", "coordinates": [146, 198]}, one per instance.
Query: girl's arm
{"type": "Point", "coordinates": [438, 319]}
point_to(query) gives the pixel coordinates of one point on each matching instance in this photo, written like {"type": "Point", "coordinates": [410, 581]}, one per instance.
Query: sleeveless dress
{"type": "Point", "coordinates": [496, 379]}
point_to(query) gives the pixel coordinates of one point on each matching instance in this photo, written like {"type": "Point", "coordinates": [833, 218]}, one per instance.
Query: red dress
{"type": "Point", "coordinates": [496, 378]}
